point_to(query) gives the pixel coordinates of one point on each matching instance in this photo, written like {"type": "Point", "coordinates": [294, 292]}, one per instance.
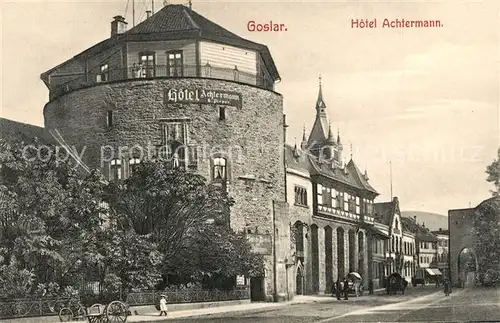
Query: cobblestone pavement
{"type": "Point", "coordinates": [330, 310]}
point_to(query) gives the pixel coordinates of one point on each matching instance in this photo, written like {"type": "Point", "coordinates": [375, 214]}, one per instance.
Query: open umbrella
{"type": "Point", "coordinates": [358, 276]}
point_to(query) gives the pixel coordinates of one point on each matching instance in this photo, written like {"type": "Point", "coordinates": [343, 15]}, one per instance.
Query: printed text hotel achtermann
{"type": "Point", "coordinates": [202, 96]}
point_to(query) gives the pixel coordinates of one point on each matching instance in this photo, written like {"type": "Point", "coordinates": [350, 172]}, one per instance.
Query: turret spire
{"type": "Point", "coordinates": [303, 144]}
{"type": "Point", "coordinates": [330, 139]}
{"type": "Point", "coordinates": [320, 104]}
{"type": "Point", "coordinates": [338, 137]}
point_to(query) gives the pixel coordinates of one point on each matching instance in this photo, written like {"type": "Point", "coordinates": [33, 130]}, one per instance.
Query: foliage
{"type": "Point", "coordinates": [216, 255]}
{"type": "Point", "coordinates": [188, 219]}
{"type": "Point", "coordinates": [46, 208]}
{"type": "Point", "coordinates": [493, 171]}
{"type": "Point", "coordinates": [55, 232]}
{"type": "Point", "coordinates": [486, 228]}
{"type": "Point", "coordinates": [15, 283]}
{"type": "Point", "coordinates": [168, 204]}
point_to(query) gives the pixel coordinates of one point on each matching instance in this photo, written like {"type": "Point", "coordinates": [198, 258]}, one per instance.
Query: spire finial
{"type": "Point", "coordinates": [319, 79]}
{"type": "Point", "coordinates": [351, 149]}
{"type": "Point", "coordinates": [304, 133]}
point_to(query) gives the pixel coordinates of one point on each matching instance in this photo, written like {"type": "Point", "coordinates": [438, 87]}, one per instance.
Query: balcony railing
{"type": "Point", "coordinates": [93, 78]}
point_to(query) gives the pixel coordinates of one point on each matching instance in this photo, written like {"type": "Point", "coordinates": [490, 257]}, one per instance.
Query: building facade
{"type": "Point", "coordinates": [426, 252]}
{"type": "Point", "coordinates": [181, 87]}
{"type": "Point", "coordinates": [331, 212]}
{"type": "Point", "coordinates": [442, 252]}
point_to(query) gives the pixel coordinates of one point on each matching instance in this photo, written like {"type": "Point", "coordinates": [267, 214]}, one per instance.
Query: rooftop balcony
{"type": "Point", "coordinates": [135, 73]}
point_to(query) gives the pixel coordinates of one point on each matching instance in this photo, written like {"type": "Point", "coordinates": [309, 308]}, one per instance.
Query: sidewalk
{"type": "Point", "coordinates": [153, 316]}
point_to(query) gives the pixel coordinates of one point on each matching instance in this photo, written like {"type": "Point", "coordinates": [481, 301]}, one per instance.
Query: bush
{"type": "Point", "coordinates": [15, 282]}
{"type": "Point", "coordinates": [490, 278]}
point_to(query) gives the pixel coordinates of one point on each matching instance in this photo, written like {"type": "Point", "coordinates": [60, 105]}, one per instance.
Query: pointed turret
{"type": "Point", "coordinates": [296, 153]}
{"type": "Point", "coordinates": [338, 138]}
{"type": "Point", "coordinates": [319, 130]}
{"type": "Point", "coordinates": [320, 104]}
{"type": "Point", "coordinates": [303, 144]}
{"type": "Point", "coordinates": [330, 140]}
{"type": "Point", "coordinates": [366, 175]}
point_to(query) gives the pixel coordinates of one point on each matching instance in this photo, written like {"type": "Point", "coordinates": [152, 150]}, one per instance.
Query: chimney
{"type": "Point", "coordinates": [118, 26]}
{"type": "Point", "coordinates": [148, 14]}
{"type": "Point", "coordinates": [415, 218]}
{"type": "Point", "coordinates": [423, 224]}
{"type": "Point", "coordinates": [440, 229]}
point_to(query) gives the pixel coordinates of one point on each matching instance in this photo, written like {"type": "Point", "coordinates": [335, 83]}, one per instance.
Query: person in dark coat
{"type": "Point", "coordinates": [338, 288]}
{"type": "Point", "coordinates": [346, 288]}
{"type": "Point", "coordinates": [370, 287]}
{"type": "Point", "coordinates": [447, 286]}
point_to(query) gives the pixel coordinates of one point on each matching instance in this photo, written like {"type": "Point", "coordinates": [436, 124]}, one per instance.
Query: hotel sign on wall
{"type": "Point", "coordinates": [261, 243]}
{"type": "Point", "coordinates": [202, 96]}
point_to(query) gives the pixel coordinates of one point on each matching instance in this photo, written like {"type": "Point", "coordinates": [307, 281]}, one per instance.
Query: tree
{"type": "Point", "coordinates": [493, 171]}
{"type": "Point", "coordinates": [46, 207]}
{"type": "Point", "coordinates": [486, 228]}
{"type": "Point", "coordinates": [168, 204]}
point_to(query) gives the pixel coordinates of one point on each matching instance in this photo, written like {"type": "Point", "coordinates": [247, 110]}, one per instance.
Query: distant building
{"type": "Point", "coordinates": [426, 251]}
{"type": "Point", "coordinates": [442, 254]}
{"type": "Point", "coordinates": [399, 254]}
{"type": "Point", "coordinates": [18, 131]}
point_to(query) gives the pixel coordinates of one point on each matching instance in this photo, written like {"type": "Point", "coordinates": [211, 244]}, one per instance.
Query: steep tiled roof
{"type": "Point", "coordinates": [359, 177]}
{"type": "Point", "coordinates": [302, 161]}
{"type": "Point", "coordinates": [384, 212]}
{"type": "Point", "coordinates": [423, 234]}
{"type": "Point", "coordinates": [297, 160]}
{"type": "Point", "coordinates": [14, 130]}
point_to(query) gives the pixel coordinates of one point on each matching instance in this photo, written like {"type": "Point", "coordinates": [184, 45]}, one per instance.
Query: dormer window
{"type": "Point", "coordinates": [174, 64]}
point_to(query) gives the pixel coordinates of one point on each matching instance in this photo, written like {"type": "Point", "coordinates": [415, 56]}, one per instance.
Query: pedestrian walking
{"type": "Point", "coordinates": [163, 305]}
{"type": "Point", "coordinates": [338, 288]}
{"type": "Point", "coordinates": [346, 288]}
{"type": "Point", "coordinates": [447, 286]}
{"type": "Point", "coordinates": [370, 287]}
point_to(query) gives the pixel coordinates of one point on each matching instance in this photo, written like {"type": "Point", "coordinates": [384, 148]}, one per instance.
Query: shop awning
{"type": "Point", "coordinates": [433, 271]}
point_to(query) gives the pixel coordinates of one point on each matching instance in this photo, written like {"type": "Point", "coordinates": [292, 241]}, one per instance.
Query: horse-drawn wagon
{"type": "Point", "coordinates": [116, 311]}
{"type": "Point", "coordinates": [396, 283]}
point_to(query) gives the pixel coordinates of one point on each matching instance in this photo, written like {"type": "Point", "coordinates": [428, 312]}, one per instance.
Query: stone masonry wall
{"type": "Point", "coordinates": [251, 136]}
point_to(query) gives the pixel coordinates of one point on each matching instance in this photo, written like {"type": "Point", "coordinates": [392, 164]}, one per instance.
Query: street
{"type": "Point", "coordinates": [417, 305]}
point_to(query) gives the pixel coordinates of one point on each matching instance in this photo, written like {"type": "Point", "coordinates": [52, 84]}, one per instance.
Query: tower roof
{"type": "Point", "coordinates": [178, 22]}
{"type": "Point", "coordinates": [319, 131]}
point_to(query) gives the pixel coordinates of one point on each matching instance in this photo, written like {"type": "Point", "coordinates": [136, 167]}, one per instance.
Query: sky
{"type": "Point", "coordinates": [422, 102]}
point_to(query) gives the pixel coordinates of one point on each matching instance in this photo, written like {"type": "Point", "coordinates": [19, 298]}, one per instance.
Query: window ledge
{"type": "Point", "coordinates": [301, 205]}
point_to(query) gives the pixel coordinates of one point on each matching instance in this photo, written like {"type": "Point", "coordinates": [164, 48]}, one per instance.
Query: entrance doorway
{"type": "Point", "coordinates": [257, 289]}
{"type": "Point", "coordinates": [299, 282]}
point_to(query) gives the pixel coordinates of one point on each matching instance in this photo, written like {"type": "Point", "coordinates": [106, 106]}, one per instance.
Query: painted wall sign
{"type": "Point", "coordinates": [261, 243]}
{"type": "Point", "coordinates": [202, 96]}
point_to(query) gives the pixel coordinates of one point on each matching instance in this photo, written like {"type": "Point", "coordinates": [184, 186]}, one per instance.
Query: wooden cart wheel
{"type": "Point", "coordinates": [116, 311]}
{"type": "Point", "coordinates": [65, 314]}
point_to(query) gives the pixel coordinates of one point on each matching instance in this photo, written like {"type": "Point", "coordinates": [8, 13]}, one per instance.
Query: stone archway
{"type": "Point", "coordinates": [299, 281]}
{"type": "Point", "coordinates": [467, 268]}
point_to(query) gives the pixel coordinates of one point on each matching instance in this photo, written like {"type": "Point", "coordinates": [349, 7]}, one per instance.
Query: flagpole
{"type": "Point", "coordinates": [390, 169]}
